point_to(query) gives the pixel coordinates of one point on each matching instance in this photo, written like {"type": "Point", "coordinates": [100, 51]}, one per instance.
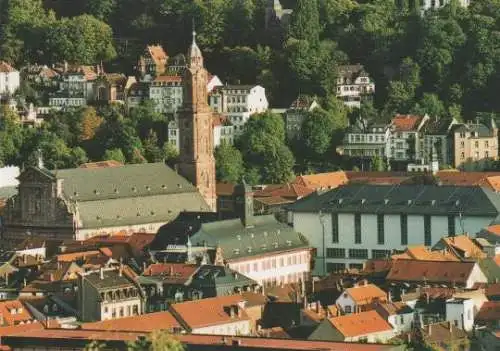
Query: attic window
{"type": "Point", "coordinates": [134, 189]}
{"type": "Point", "coordinates": [264, 247]}
{"type": "Point", "coordinates": [289, 242]}
{"type": "Point", "coordinates": [363, 201]}
{"type": "Point", "coordinates": [386, 201]}
{"type": "Point", "coordinates": [138, 214]}
{"type": "Point", "coordinates": [96, 192]}
{"type": "Point", "coordinates": [340, 201]}
{"type": "Point", "coordinates": [98, 218]}
{"type": "Point", "coordinates": [152, 213]}
{"type": "Point", "coordinates": [278, 232]}
{"type": "Point", "coordinates": [148, 188]}
{"type": "Point", "coordinates": [275, 244]}
{"type": "Point", "coordinates": [118, 216]}
{"type": "Point", "coordinates": [410, 202]}
{"type": "Point", "coordinates": [163, 186]}
{"type": "Point", "coordinates": [116, 191]}
{"type": "Point", "coordinates": [249, 249]}
{"type": "Point", "coordinates": [433, 202]}
{"type": "Point", "coordinates": [236, 251]}
{"type": "Point", "coordinates": [179, 186]}
{"type": "Point", "coordinates": [252, 235]}
{"type": "Point", "coordinates": [238, 237]}
{"type": "Point", "coordinates": [457, 202]}
{"type": "Point", "coordinates": [75, 193]}
{"type": "Point", "coordinates": [265, 233]}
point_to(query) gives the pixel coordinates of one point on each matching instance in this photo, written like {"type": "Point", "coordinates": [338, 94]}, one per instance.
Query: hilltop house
{"type": "Point", "coordinates": [354, 85]}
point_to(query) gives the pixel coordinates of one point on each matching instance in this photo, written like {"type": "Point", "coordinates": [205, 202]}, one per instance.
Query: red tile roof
{"type": "Point", "coordinates": [168, 79]}
{"type": "Point", "coordinates": [143, 323]}
{"type": "Point", "coordinates": [208, 312]}
{"type": "Point", "coordinates": [494, 229]}
{"type": "Point", "coordinates": [359, 324]}
{"type": "Point", "coordinates": [489, 312]}
{"type": "Point", "coordinates": [493, 290]}
{"type": "Point", "coordinates": [329, 180]}
{"type": "Point", "coordinates": [13, 312]}
{"type": "Point", "coordinates": [193, 340]}
{"type": "Point", "coordinates": [487, 179]}
{"type": "Point", "coordinates": [178, 273]}
{"type": "Point", "coordinates": [406, 123]}
{"type": "Point", "coordinates": [423, 253]}
{"type": "Point", "coordinates": [430, 271]}
{"type": "Point", "coordinates": [464, 245]}
{"type": "Point", "coordinates": [289, 191]}
{"type": "Point", "coordinates": [224, 189]}
{"type": "Point", "coordinates": [366, 294]}
{"type": "Point", "coordinates": [70, 257]}
{"type": "Point", "coordinates": [157, 53]}
{"type": "Point", "coordinates": [381, 178]}
{"type": "Point", "coordinates": [6, 68]}
{"type": "Point", "coordinates": [102, 164]}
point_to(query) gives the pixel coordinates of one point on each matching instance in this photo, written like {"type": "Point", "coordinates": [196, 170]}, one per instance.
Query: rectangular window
{"type": "Point", "coordinates": [380, 229]}
{"type": "Point", "coordinates": [335, 228]}
{"type": "Point", "coordinates": [358, 253]}
{"type": "Point", "coordinates": [357, 228]}
{"type": "Point", "coordinates": [335, 253]}
{"type": "Point", "coordinates": [356, 266]}
{"type": "Point", "coordinates": [381, 253]}
{"type": "Point", "coordinates": [404, 229]}
{"type": "Point", "coordinates": [451, 225]}
{"type": "Point", "coordinates": [335, 267]}
{"type": "Point", "coordinates": [427, 230]}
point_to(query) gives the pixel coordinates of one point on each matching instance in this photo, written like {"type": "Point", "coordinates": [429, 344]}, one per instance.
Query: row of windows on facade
{"type": "Point", "coordinates": [476, 144]}
{"type": "Point", "coordinates": [118, 294]}
{"type": "Point", "coordinates": [284, 279]}
{"type": "Point", "coordinates": [477, 155]}
{"type": "Point", "coordinates": [272, 263]}
{"type": "Point", "coordinates": [344, 80]}
{"type": "Point", "coordinates": [122, 312]}
{"type": "Point", "coordinates": [381, 229]}
{"type": "Point", "coordinates": [356, 253]}
{"type": "Point", "coordinates": [361, 138]}
{"type": "Point", "coordinates": [364, 89]}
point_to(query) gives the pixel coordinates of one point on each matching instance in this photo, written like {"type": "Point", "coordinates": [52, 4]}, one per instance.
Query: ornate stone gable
{"type": "Point", "coordinates": [36, 175]}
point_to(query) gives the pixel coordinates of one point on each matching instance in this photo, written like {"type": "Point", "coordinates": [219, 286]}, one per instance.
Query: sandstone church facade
{"type": "Point", "coordinates": [84, 202]}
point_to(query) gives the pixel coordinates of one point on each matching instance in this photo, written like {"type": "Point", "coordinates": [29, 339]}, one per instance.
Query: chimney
{"type": "Point", "coordinates": [317, 306]}
{"type": "Point", "coordinates": [144, 266]}
{"type": "Point", "coordinates": [101, 273]}
{"type": "Point", "coordinates": [51, 277]}
{"type": "Point", "coordinates": [430, 330]}
{"type": "Point", "coordinates": [25, 259]}
{"type": "Point", "coordinates": [450, 326]}
{"type": "Point", "coordinates": [120, 270]}
{"type": "Point", "coordinates": [171, 270]}
{"type": "Point", "coordinates": [232, 311]}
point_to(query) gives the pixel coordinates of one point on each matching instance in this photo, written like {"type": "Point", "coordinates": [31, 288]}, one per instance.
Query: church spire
{"type": "Point", "coordinates": [194, 56]}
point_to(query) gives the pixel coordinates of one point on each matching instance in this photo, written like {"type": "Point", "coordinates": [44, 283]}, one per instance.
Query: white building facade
{"type": "Point", "coordinates": [354, 85]}
{"type": "Point", "coordinates": [406, 141]}
{"type": "Point", "coordinates": [166, 93]}
{"type": "Point", "coordinates": [238, 103]}
{"type": "Point", "coordinates": [366, 140]}
{"type": "Point", "coordinates": [460, 312]}
{"type": "Point", "coordinates": [353, 223]}
{"type": "Point", "coordinates": [9, 79]}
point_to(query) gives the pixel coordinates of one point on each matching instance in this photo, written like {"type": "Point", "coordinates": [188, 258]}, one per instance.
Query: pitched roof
{"type": "Point", "coordinates": [264, 237]}
{"type": "Point", "coordinates": [488, 179]}
{"type": "Point", "coordinates": [207, 312]}
{"type": "Point", "coordinates": [126, 195]}
{"type": "Point", "coordinates": [392, 308]}
{"type": "Point", "coordinates": [493, 290]}
{"type": "Point", "coordinates": [421, 252]}
{"type": "Point", "coordinates": [359, 324]}
{"type": "Point", "coordinates": [410, 199]}
{"type": "Point", "coordinates": [493, 229]}
{"type": "Point", "coordinates": [13, 312]}
{"type": "Point", "coordinates": [288, 190]}
{"type": "Point", "coordinates": [366, 294]}
{"type": "Point", "coordinates": [224, 189]}
{"type": "Point", "coordinates": [378, 178]}
{"type": "Point", "coordinates": [111, 279]}
{"type": "Point", "coordinates": [167, 79]}
{"type": "Point", "coordinates": [351, 71]}
{"type": "Point", "coordinates": [148, 322]}
{"type": "Point", "coordinates": [432, 272]}
{"type": "Point", "coordinates": [406, 123]}
{"type": "Point", "coordinates": [322, 180]}
{"type": "Point", "coordinates": [102, 164]}
{"type": "Point", "coordinates": [173, 273]}
{"type": "Point", "coordinates": [6, 68]}
{"type": "Point", "coordinates": [439, 126]}
{"type": "Point", "coordinates": [464, 246]}
{"type": "Point", "coordinates": [489, 312]}
{"type": "Point", "coordinates": [482, 130]}
{"type": "Point", "coordinates": [157, 53]}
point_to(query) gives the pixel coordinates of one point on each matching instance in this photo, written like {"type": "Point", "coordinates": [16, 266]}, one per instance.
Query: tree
{"type": "Point", "coordinates": [83, 39]}
{"type": "Point", "coordinates": [152, 151]}
{"type": "Point", "coordinates": [431, 105]}
{"type": "Point", "coordinates": [317, 132]}
{"type": "Point", "coordinates": [11, 135]}
{"type": "Point", "coordinates": [101, 9]}
{"type": "Point", "coordinates": [264, 147]}
{"type": "Point", "coordinates": [114, 155]}
{"type": "Point", "coordinates": [90, 123]}
{"type": "Point", "coordinates": [304, 23]}
{"type": "Point", "coordinates": [78, 156]}
{"type": "Point", "coordinates": [228, 163]}
{"type": "Point", "coordinates": [170, 152]}
{"type": "Point", "coordinates": [158, 340]}
{"type": "Point", "coordinates": [95, 346]}
{"type": "Point", "coordinates": [377, 164]}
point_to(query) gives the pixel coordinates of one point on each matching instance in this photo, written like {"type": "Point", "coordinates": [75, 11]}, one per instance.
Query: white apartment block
{"type": "Point", "coordinates": [296, 114]}
{"type": "Point", "coordinates": [223, 131]}
{"type": "Point", "coordinates": [353, 223]}
{"type": "Point", "coordinates": [166, 93]}
{"type": "Point", "coordinates": [406, 141]}
{"type": "Point", "coordinates": [9, 79]}
{"type": "Point", "coordinates": [354, 85]}
{"type": "Point", "coordinates": [238, 103]}
{"type": "Point", "coordinates": [76, 88]}
{"type": "Point", "coordinates": [366, 140]}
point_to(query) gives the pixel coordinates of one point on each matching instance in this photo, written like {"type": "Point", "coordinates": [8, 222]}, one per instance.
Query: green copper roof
{"type": "Point", "coordinates": [136, 180]}
{"type": "Point", "coordinates": [236, 241]}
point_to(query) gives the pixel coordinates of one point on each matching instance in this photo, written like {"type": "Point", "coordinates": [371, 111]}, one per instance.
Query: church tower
{"type": "Point", "coordinates": [196, 129]}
